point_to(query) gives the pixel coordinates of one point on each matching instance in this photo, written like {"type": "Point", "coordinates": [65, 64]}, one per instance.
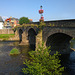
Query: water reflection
{"type": "Point", "coordinates": [72, 58]}
{"type": "Point", "coordinates": [69, 60]}
{"type": "Point", "coordinates": [71, 65]}
{"type": "Point", "coordinates": [12, 65]}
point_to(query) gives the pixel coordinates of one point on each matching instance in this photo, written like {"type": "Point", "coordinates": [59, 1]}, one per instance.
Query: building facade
{"type": "Point", "coordinates": [1, 23]}
{"type": "Point", "coordinates": [11, 22]}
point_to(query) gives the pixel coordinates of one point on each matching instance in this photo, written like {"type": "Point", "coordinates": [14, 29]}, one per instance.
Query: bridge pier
{"type": "Point", "coordinates": [39, 39]}
{"type": "Point", "coordinates": [24, 39]}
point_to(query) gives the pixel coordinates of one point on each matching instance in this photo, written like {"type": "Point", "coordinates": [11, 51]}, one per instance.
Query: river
{"type": "Point", "coordinates": [12, 65]}
{"type": "Point", "coordinates": [71, 64]}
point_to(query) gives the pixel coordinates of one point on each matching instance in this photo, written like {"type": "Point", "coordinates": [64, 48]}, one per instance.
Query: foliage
{"type": "Point", "coordinates": [43, 63]}
{"type": "Point", "coordinates": [23, 20]}
{"type": "Point", "coordinates": [41, 25]}
{"type": "Point", "coordinates": [24, 26]}
{"type": "Point", "coordinates": [14, 29]}
{"type": "Point", "coordinates": [52, 25]}
{"type": "Point", "coordinates": [73, 38]}
{"type": "Point", "coordinates": [14, 51]}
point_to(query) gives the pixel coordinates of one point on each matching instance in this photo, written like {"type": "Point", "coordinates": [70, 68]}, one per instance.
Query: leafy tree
{"type": "Point", "coordinates": [42, 63]}
{"type": "Point", "coordinates": [23, 20]}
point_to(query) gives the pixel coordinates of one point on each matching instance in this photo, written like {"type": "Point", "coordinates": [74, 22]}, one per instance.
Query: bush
{"type": "Point", "coordinates": [43, 63]}
{"type": "Point", "coordinates": [14, 51]}
{"type": "Point", "coordinates": [23, 20]}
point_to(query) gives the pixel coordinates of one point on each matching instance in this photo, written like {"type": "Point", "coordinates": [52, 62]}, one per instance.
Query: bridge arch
{"type": "Point", "coordinates": [59, 42]}
{"type": "Point", "coordinates": [20, 34]}
{"type": "Point", "coordinates": [32, 38]}
{"type": "Point", "coordinates": [48, 31]}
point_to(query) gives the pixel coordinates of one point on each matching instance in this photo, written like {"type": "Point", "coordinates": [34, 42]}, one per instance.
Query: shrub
{"type": "Point", "coordinates": [14, 51]}
{"type": "Point", "coordinates": [23, 20]}
{"type": "Point", "coordinates": [43, 63]}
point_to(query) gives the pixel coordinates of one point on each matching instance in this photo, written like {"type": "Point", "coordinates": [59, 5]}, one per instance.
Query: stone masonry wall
{"type": "Point", "coordinates": [6, 31]}
{"type": "Point", "coordinates": [59, 23]}
{"type": "Point", "coordinates": [39, 39]}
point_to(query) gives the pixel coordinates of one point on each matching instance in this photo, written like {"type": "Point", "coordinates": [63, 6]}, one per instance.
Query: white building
{"type": "Point", "coordinates": [1, 23]}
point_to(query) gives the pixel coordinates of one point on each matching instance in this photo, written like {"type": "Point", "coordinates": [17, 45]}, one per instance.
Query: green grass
{"type": "Point", "coordinates": [73, 38]}
{"type": "Point", "coordinates": [14, 51]}
{"type": "Point", "coordinates": [6, 36]}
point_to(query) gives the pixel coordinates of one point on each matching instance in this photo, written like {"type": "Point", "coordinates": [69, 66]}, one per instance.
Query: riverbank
{"type": "Point", "coordinates": [72, 49]}
{"type": "Point", "coordinates": [8, 37]}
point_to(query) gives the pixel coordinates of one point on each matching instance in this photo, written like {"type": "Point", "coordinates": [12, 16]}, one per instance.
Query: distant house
{"type": "Point", "coordinates": [11, 22]}
{"type": "Point", "coordinates": [1, 23]}
{"type": "Point", "coordinates": [30, 20]}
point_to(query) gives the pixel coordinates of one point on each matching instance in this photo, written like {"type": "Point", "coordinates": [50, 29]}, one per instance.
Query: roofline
{"type": "Point", "coordinates": [63, 20]}
{"type": "Point", "coordinates": [59, 20]}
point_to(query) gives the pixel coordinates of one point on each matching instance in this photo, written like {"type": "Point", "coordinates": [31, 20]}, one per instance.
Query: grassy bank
{"type": "Point", "coordinates": [6, 36]}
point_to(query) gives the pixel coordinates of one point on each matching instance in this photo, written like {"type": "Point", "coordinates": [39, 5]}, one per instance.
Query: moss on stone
{"type": "Point", "coordinates": [14, 51]}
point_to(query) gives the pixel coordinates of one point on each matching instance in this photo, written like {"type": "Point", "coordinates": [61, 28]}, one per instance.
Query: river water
{"type": "Point", "coordinates": [12, 65]}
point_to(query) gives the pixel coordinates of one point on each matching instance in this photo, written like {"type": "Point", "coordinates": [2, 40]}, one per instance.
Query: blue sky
{"type": "Point", "coordinates": [53, 9]}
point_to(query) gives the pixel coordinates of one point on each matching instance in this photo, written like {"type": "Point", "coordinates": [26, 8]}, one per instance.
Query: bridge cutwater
{"type": "Point", "coordinates": [56, 34]}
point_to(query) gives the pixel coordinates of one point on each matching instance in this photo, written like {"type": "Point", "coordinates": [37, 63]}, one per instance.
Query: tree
{"type": "Point", "coordinates": [42, 63]}
{"type": "Point", "coordinates": [23, 20]}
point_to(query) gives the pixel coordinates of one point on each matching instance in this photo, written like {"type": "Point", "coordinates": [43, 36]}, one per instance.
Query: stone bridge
{"type": "Point", "coordinates": [56, 34]}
